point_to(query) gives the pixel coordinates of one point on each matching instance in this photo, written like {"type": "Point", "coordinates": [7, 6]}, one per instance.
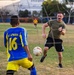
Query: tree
{"type": "Point", "coordinates": [51, 8]}
{"type": "Point", "coordinates": [65, 1]}
{"type": "Point", "coordinates": [25, 13]}
{"type": "Point", "coordinates": [35, 14]}
{"type": "Point", "coordinates": [71, 0]}
{"type": "Point", "coordinates": [4, 13]}
{"type": "Point", "coordinates": [70, 11]}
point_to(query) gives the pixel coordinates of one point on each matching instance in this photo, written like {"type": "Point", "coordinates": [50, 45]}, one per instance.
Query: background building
{"type": "Point", "coordinates": [10, 6]}
{"type": "Point", "coordinates": [31, 5]}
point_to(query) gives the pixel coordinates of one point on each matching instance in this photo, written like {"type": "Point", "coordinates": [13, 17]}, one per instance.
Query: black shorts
{"type": "Point", "coordinates": [57, 43]}
{"type": "Point", "coordinates": [35, 24]}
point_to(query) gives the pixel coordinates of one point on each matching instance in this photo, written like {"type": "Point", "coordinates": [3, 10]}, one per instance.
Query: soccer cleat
{"type": "Point", "coordinates": [42, 58]}
{"type": "Point", "coordinates": [60, 65]}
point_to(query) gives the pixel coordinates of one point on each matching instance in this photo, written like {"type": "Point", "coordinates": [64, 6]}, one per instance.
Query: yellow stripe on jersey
{"type": "Point", "coordinates": [8, 55]}
{"type": "Point", "coordinates": [21, 40]}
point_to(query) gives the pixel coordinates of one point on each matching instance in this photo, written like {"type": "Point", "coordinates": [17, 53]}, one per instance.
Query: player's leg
{"type": "Point", "coordinates": [33, 70]}
{"type": "Point", "coordinates": [44, 54]}
{"type": "Point", "coordinates": [12, 67]}
{"type": "Point", "coordinates": [59, 49]}
{"type": "Point", "coordinates": [48, 45]}
{"type": "Point", "coordinates": [35, 25]}
{"type": "Point", "coordinates": [29, 65]}
{"type": "Point", "coordinates": [60, 59]}
{"type": "Point", "coordinates": [10, 72]}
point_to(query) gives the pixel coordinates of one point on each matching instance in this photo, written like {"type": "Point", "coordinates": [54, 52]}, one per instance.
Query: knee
{"type": "Point", "coordinates": [60, 55]}
{"type": "Point", "coordinates": [46, 48]}
{"type": "Point", "coordinates": [31, 67]}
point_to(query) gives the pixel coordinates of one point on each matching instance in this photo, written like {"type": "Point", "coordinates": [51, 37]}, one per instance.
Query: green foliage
{"type": "Point", "coordinates": [34, 13]}
{"type": "Point", "coordinates": [66, 1]}
{"type": "Point", "coordinates": [51, 8]}
{"type": "Point", "coordinates": [25, 13]}
{"type": "Point", "coordinates": [71, 0]}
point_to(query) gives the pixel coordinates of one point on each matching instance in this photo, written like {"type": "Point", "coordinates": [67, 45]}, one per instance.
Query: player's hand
{"type": "Point", "coordinates": [44, 36]}
{"type": "Point", "coordinates": [60, 29]}
{"type": "Point", "coordinates": [30, 57]}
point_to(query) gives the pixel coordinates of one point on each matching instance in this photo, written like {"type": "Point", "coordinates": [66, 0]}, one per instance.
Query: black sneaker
{"type": "Point", "coordinates": [60, 65]}
{"type": "Point", "coordinates": [42, 58]}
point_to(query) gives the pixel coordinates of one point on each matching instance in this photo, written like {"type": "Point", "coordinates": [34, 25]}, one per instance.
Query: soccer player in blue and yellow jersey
{"type": "Point", "coordinates": [15, 41]}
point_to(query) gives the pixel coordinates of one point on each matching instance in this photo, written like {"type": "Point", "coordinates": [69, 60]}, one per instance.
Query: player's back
{"type": "Point", "coordinates": [16, 40]}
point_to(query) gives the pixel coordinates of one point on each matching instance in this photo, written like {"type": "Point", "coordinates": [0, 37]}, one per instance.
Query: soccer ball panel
{"type": "Point", "coordinates": [37, 51]}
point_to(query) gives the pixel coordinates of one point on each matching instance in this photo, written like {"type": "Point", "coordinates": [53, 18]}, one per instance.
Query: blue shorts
{"type": "Point", "coordinates": [57, 43]}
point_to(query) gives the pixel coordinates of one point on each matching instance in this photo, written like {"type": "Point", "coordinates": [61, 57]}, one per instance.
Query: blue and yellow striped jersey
{"type": "Point", "coordinates": [15, 39]}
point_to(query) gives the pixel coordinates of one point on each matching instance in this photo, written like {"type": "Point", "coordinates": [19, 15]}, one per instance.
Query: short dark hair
{"type": "Point", "coordinates": [14, 20]}
{"type": "Point", "coordinates": [59, 12]}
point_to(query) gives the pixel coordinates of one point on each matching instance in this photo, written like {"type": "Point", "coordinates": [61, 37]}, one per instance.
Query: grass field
{"type": "Point", "coordinates": [49, 66]}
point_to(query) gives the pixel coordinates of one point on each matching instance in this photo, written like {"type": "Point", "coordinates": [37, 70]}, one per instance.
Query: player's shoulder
{"type": "Point", "coordinates": [22, 28]}
{"type": "Point", "coordinates": [7, 30]}
{"type": "Point", "coordinates": [63, 23]}
{"type": "Point", "coordinates": [52, 20]}
{"type": "Point", "coordinates": [15, 28]}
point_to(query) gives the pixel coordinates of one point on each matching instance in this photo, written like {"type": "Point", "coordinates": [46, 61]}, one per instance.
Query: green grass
{"type": "Point", "coordinates": [49, 66]}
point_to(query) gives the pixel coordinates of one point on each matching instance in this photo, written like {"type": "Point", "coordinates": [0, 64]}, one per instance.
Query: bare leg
{"type": "Point", "coordinates": [60, 59]}
{"type": "Point", "coordinates": [44, 54]}
{"type": "Point", "coordinates": [45, 51]}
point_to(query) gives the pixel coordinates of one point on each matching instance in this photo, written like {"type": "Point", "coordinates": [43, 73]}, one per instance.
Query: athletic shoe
{"type": "Point", "coordinates": [42, 58]}
{"type": "Point", "coordinates": [60, 65]}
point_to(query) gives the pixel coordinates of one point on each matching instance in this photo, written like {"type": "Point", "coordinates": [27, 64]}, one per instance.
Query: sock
{"type": "Point", "coordinates": [33, 71]}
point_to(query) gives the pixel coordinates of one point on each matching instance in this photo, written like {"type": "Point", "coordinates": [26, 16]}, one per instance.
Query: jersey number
{"type": "Point", "coordinates": [12, 44]}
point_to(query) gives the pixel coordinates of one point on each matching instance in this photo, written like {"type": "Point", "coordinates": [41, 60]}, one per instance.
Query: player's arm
{"type": "Point", "coordinates": [43, 30]}
{"type": "Point", "coordinates": [28, 52]}
{"type": "Point", "coordinates": [62, 30]}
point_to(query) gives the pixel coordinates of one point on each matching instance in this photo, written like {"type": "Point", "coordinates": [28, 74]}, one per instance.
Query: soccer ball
{"type": "Point", "coordinates": [37, 51]}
